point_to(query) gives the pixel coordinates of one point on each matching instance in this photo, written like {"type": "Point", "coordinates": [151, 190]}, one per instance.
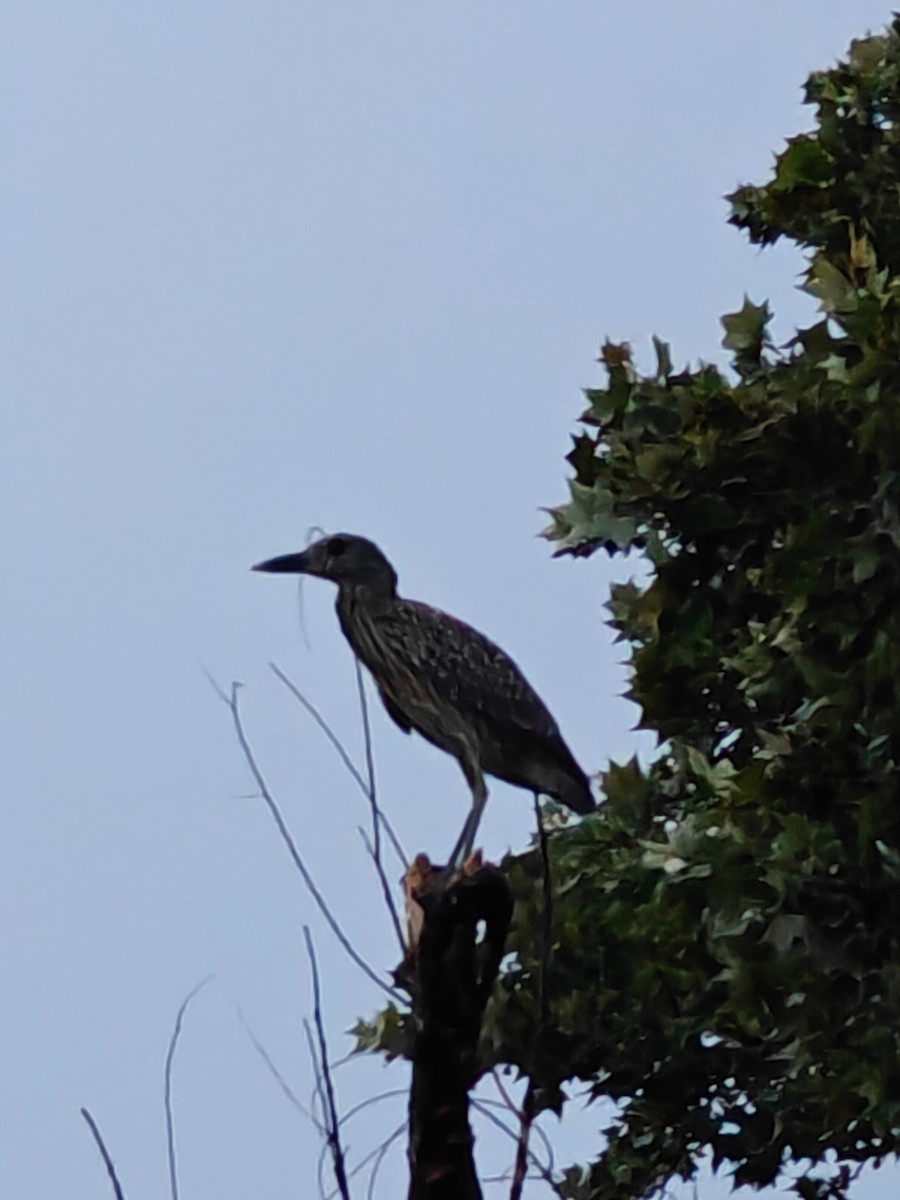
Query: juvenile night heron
{"type": "Point", "coordinates": [444, 679]}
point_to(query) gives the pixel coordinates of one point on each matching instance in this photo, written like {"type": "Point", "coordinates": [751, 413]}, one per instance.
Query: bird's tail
{"type": "Point", "coordinates": [576, 794]}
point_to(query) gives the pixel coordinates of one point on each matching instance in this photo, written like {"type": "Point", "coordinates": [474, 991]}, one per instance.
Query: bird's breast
{"type": "Point", "coordinates": [389, 646]}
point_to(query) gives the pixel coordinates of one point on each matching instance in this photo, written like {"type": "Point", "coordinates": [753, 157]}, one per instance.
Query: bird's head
{"type": "Point", "coordinates": [344, 558]}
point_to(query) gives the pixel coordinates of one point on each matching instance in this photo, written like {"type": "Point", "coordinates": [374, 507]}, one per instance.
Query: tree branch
{"type": "Point", "coordinates": [529, 1103]}
{"type": "Point", "coordinates": [332, 1122]}
{"type": "Point", "coordinates": [104, 1154]}
{"type": "Point", "coordinates": [343, 755]}
{"type": "Point", "coordinates": [287, 839]}
{"type": "Point", "coordinates": [167, 1100]}
{"type": "Point", "coordinates": [366, 785]}
{"type": "Point", "coordinates": [276, 1073]}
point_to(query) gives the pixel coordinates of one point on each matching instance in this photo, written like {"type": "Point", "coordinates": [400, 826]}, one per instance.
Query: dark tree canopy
{"type": "Point", "coordinates": [726, 958]}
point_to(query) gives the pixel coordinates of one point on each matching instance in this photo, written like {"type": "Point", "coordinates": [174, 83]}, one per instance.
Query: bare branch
{"type": "Point", "coordinates": [506, 1101]}
{"type": "Point", "coordinates": [367, 787]}
{"type": "Point", "coordinates": [378, 818]}
{"type": "Point", "coordinates": [370, 1101]}
{"type": "Point", "coordinates": [332, 1121]}
{"type": "Point", "coordinates": [370, 760]}
{"type": "Point", "coordinates": [332, 737]}
{"type": "Point", "coordinates": [214, 684]}
{"type": "Point", "coordinates": [319, 1099]}
{"type": "Point", "coordinates": [276, 1074]}
{"type": "Point", "coordinates": [385, 888]}
{"type": "Point", "coordinates": [377, 1155]}
{"type": "Point", "coordinates": [529, 1104]}
{"type": "Point", "coordinates": [526, 1122]}
{"type": "Point", "coordinates": [170, 1059]}
{"type": "Point", "coordinates": [291, 846]}
{"type": "Point", "coordinates": [377, 815]}
{"type": "Point", "coordinates": [379, 1159]}
{"type": "Point", "coordinates": [104, 1154]}
{"type": "Point", "coordinates": [484, 1104]}
{"type": "Point", "coordinates": [342, 753]}
{"type": "Point", "coordinates": [544, 1171]}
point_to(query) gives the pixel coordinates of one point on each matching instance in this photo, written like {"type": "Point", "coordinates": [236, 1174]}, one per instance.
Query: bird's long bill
{"type": "Point", "coordinates": [287, 564]}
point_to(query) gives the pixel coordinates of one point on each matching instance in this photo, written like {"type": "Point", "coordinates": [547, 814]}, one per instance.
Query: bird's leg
{"type": "Point", "coordinates": [466, 839]}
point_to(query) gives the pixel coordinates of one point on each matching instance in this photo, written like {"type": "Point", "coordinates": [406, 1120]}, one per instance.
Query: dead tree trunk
{"type": "Point", "coordinates": [449, 974]}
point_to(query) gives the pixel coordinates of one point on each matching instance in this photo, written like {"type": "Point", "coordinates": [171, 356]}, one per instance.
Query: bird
{"type": "Point", "coordinates": [441, 678]}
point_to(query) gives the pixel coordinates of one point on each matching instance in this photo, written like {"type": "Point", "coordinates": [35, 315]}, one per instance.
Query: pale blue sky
{"type": "Point", "coordinates": [280, 264]}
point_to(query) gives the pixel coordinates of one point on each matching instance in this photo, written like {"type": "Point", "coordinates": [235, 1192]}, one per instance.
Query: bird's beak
{"type": "Point", "coordinates": [288, 564]}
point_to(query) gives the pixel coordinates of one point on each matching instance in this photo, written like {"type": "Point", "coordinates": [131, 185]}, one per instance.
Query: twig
{"type": "Point", "coordinates": [276, 1074]}
{"type": "Point", "coordinates": [379, 1151]}
{"type": "Point", "coordinates": [214, 684]}
{"type": "Point", "coordinates": [289, 842]}
{"type": "Point", "coordinates": [319, 1099]}
{"type": "Point", "coordinates": [377, 814]}
{"type": "Point", "coordinates": [377, 1154]}
{"type": "Point", "coordinates": [529, 1102]}
{"type": "Point", "coordinates": [526, 1122]}
{"type": "Point", "coordinates": [332, 1121]}
{"type": "Point", "coordinates": [170, 1059]}
{"type": "Point", "coordinates": [104, 1154]}
{"type": "Point", "coordinates": [388, 1094]}
{"type": "Point", "coordinates": [379, 1159]}
{"type": "Point", "coordinates": [368, 787]}
{"type": "Point", "coordinates": [507, 1102]}
{"type": "Point", "coordinates": [544, 1171]}
{"type": "Point", "coordinates": [332, 737]}
{"type": "Point", "coordinates": [385, 888]}
{"type": "Point", "coordinates": [370, 761]}
{"type": "Point", "coordinates": [343, 755]}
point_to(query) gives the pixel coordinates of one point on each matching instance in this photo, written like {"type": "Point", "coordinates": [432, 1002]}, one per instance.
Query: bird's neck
{"type": "Point", "coordinates": [372, 597]}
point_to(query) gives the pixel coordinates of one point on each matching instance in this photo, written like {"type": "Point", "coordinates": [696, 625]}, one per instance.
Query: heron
{"type": "Point", "coordinates": [440, 677]}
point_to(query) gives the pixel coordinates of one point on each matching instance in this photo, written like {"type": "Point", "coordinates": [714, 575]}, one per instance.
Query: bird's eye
{"type": "Point", "coordinates": [337, 546]}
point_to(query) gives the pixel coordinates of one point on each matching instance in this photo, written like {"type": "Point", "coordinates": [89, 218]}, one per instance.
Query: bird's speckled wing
{"type": "Point", "coordinates": [394, 711]}
{"type": "Point", "coordinates": [463, 667]}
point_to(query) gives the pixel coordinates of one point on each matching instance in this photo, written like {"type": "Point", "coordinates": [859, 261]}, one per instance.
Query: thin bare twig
{"type": "Point", "coordinates": [332, 1121]}
{"type": "Point", "coordinates": [507, 1101]}
{"type": "Point", "coordinates": [544, 1171]}
{"type": "Point", "coordinates": [526, 1122]}
{"type": "Point", "coordinates": [167, 1100]}
{"type": "Point", "coordinates": [377, 815]}
{"type": "Point", "coordinates": [370, 760]}
{"type": "Point", "coordinates": [215, 685]}
{"type": "Point", "coordinates": [287, 839]}
{"type": "Point", "coordinates": [332, 737]}
{"type": "Point", "coordinates": [529, 1103]}
{"type": "Point", "coordinates": [370, 1101]}
{"type": "Point", "coordinates": [342, 753]}
{"type": "Point", "coordinates": [319, 1099]}
{"type": "Point", "coordinates": [104, 1154]}
{"type": "Point", "coordinates": [377, 1154]}
{"type": "Point", "coordinates": [385, 888]}
{"type": "Point", "coordinates": [276, 1074]}
{"type": "Point", "coordinates": [367, 787]}
{"type": "Point", "coordinates": [379, 1157]}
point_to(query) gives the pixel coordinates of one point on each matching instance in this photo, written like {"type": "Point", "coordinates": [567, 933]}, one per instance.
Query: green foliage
{"type": "Point", "coordinates": [726, 960]}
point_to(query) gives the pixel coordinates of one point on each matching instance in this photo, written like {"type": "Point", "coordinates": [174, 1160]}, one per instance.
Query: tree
{"type": "Point", "coordinates": [726, 962]}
